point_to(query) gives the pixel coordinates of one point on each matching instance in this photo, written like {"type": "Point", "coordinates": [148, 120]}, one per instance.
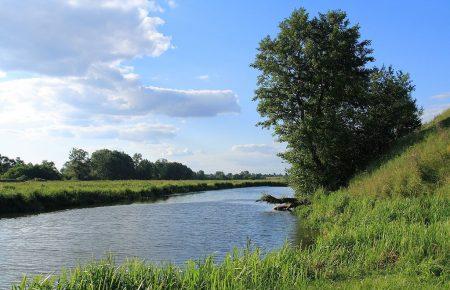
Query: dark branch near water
{"type": "Point", "coordinates": [284, 203]}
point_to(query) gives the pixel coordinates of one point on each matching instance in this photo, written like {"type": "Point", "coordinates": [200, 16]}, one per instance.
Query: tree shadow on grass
{"type": "Point", "coordinates": [403, 144]}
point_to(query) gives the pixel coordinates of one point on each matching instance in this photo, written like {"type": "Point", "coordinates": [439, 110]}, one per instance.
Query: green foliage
{"type": "Point", "coordinates": [21, 171]}
{"type": "Point", "coordinates": [145, 169]}
{"type": "Point", "coordinates": [172, 170]}
{"type": "Point", "coordinates": [419, 164]}
{"type": "Point", "coordinates": [78, 167]}
{"type": "Point", "coordinates": [319, 95]}
{"type": "Point", "coordinates": [7, 163]}
{"type": "Point", "coordinates": [111, 165]}
{"type": "Point", "coordinates": [106, 164]}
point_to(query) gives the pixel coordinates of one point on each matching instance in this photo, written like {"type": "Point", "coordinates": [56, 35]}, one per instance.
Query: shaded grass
{"type": "Point", "coordinates": [389, 229]}
{"type": "Point", "coordinates": [38, 196]}
{"type": "Point", "coordinates": [420, 167]}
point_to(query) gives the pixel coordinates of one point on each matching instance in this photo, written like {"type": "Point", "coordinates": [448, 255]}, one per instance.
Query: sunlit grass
{"type": "Point", "coordinates": [389, 229]}
{"type": "Point", "coordinates": [38, 196]}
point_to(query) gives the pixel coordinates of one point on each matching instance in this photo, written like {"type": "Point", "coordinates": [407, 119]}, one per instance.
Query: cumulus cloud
{"type": "Point", "coordinates": [155, 7]}
{"type": "Point", "coordinates": [138, 133]}
{"type": "Point", "coordinates": [142, 133]}
{"type": "Point", "coordinates": [74, 51]}
{"type": "Point", "coordinates": [66, 37]}
{"type": "Point", "coordinates": [188, 103]}
{"type": "Point", "coordinates": [254, 148]}
{"type": "Point", "coordinates": [105, 92]}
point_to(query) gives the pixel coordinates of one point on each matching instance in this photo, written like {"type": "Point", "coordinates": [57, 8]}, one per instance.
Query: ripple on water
{"type": "Point", "coordinates": [182, 227]}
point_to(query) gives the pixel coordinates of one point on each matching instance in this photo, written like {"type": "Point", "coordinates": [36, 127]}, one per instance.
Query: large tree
{"type": "Point", "coordinates": [7, 163]}
{"type": "Point", "coordinates": [316, 90]}
{"type": "Point", "coordinates": [78, 166]}
{"type": "Point", "coordinates": [112, 165]}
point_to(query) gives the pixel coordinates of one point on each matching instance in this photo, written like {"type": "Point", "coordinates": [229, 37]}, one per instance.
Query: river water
{"type": "Point", "coordinates": [188, 226]}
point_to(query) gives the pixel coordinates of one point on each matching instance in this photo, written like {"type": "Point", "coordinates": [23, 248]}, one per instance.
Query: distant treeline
{"type": "Point", "coordinates": [107, 164]}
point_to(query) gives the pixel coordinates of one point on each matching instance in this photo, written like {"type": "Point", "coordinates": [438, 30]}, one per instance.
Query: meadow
{"type": "Point", "coordinates": [42, 196]}
{"type": "Point", "coordinates": [389, 229]}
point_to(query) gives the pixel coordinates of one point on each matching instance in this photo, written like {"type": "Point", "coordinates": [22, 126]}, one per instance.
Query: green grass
{"type": "Point", "coordinates": [38, 196]}
{"type": "Point", "coordinates": [390, 229]}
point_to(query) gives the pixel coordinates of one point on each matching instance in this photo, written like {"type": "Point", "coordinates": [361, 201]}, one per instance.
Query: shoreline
{"type": "Point", "coordinates": [39, 197]}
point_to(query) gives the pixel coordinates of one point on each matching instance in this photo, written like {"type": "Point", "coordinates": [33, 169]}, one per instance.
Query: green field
{"type": "Point", "coordinates": [40, 196]}
{"type": "Point", "coordinates": [389, 229]}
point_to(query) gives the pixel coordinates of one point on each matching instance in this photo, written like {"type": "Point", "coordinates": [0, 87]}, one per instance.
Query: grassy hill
{"type": "Point", "coordinates": [390, 228]}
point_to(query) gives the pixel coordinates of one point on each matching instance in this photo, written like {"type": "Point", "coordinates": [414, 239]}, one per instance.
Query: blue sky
{"type": "Point", "coordinates": [171, 79]}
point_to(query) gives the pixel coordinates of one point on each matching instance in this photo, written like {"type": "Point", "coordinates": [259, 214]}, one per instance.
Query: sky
{"type": "Point", "coordinates": [171, 78]}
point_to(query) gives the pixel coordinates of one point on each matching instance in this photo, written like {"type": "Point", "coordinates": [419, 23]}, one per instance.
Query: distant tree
{"type": "Point", "coordinates": [78, 167]}
{"type": "Point", "coordinates": [161, 169]}
{"type": "Point", "coordinates": [46, 170]}
{"type": "Point", "coordinates": [112, 165]}
{"type": "Point", "coordinates": [145, 170]}
{"type": "Point", "coordinates": [172, 170]}
{"type": "Point", "coordinates": [137, 159]}
{"type": "Point", "coordinates": [245, 175]}
{"type": "Point", "coordinates": [200, 175]}
{"type": "Point", "coordinates": [177, 170]}
{"type": "Point", "coordinates": [7, 163]}
{"type": "Point", "coordinates": [320, 97]}
{"type": "Point", "coordinates": [219, 175]}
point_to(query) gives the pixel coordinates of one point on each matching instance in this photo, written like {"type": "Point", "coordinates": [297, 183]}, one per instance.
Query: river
{"type": "Point", "coordinates": [188, 226]}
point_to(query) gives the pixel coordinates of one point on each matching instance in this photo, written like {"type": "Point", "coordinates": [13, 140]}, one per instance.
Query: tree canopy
{"type": "Point", "coordinates": [22, 171]}
{"type": "Point", "coordinates": [108, 164]}
{"type": "Point", "coordinates": [321, 97]}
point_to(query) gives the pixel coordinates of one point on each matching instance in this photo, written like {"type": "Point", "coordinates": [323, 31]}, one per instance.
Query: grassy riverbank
{"type": "Point", "coordinates": [39, 196]}
{"type": "Point", "coordinates": [389, 229]}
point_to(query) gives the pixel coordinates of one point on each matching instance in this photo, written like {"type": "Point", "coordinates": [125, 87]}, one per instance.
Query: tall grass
{"type": "Point", "coordinates": [389, 229]}
{"type": "Point", "coordinates": [38, 196]}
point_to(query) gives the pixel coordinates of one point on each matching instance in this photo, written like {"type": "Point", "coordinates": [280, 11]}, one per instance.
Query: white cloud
{"type": "Point", "coordinates": [177, 152]}
{"type": "Point", "coordinates": [188, 103]}
{"type": "Point", "coordinates": [203, 77]}
{"type": "Point", "coordinates": [106, 91]}
{"type": "Point", "coordinates": [142, 133]}
{"type": "Point", "coordinates": [430, 112]}
{"type": "Point", "coordinates": [106, 95]}
{"type": "Point", "coordinates": [255, 148]}
{"type": "Point", "coordinates": [2, 74]}
{"type": "Point", "coordinates": [155, 7]}
{"type": "Point", "coordinates": [75, 52]}
{"type": "Point", "coordinates": [138, 133]}
{"type": "Point", "coordinates": [441, 96]}
{"type": "Point", "coordinates": [66, 37]}
{"type": "Point", "coordinates": [172, 3]}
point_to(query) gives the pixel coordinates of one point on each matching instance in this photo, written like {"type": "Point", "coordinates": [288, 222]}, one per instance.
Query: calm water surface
{"type": "Point", "coordinates": [179, 228]}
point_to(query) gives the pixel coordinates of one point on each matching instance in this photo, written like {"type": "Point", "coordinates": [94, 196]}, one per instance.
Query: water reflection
{"type": "Point", "coordinates": [176, 229]}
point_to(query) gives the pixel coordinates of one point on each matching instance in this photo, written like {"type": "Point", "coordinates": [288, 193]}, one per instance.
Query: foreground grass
{"type": "Point", "coordinates": [363, 243]}
{"type": "Point", "coordinates": [389, 229]}
{"type": "Point", "coordinates": [38, 196]}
